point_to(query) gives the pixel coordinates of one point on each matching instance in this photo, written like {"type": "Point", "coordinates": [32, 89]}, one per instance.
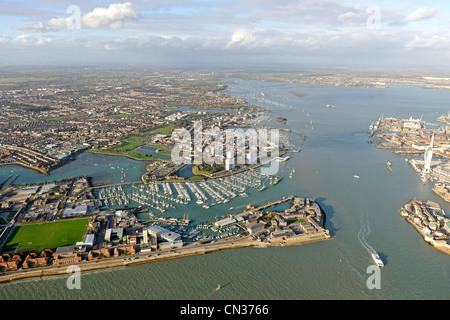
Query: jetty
{"type": "Point", "coordinates": [268, 205]}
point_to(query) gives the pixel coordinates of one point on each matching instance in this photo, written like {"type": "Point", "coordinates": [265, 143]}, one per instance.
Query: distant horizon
{"type": "Point", "coordinates": [422, 71]}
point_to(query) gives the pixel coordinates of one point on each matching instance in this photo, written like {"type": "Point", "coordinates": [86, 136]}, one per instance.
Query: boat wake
{"type": "Point", "coordinates": [364, 233]}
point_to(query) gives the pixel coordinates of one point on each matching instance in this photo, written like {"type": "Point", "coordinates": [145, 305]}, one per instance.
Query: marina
{"type": "Point", "coordinates": [161, 196]}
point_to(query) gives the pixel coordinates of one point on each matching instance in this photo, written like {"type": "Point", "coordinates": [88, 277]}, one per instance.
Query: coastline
{"type": "Point", "coordinates": [431, 242]}
{"type": "Point", "coordinates": [26, 166]}
{"type": "Point", "coordinates": [60, 163]}
{"type": "Point", "coordinates": [144, 258]}
{"type": "Point", "coordinates": [441, 194]}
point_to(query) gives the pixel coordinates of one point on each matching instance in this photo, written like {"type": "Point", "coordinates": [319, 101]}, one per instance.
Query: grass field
{"type": "Point", "coordinates": [128, 148]}
{"type": "Point", "coordinates": [122, 115]}
{"type": "Point", "coordinates": [36, 237]}
{"type": "Point", "coordinates": [163, 130]}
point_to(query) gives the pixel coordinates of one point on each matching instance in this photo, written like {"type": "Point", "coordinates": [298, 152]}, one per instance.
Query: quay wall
{"type": "Point", "coordinates": [154, 256]}
{"type": "Point", "coordinates": [435, 244]}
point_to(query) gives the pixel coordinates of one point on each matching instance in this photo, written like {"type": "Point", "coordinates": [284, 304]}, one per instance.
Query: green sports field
{"type": "Point", "coordinates": [36, 237]}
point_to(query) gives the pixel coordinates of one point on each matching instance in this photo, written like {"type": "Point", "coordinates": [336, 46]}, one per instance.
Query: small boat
{"type": "Point", "coordinates": [356, 177]}
{"type": "Point", "coordinates": [388, 165]}
{"type": "Point", "coordinates": [377, 260]}
{"type": "Point", "coordinates": [206, 207]}
{"type": "Point", "coordinates": [218, 288]}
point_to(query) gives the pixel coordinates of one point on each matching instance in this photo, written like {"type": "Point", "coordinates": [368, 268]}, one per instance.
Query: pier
{"type": "Point", "coordinates": [268, 205]}
{"type": "Point", "coordinates": [2, 183]}
{"type": "Point", "coordinates": [114, 185]}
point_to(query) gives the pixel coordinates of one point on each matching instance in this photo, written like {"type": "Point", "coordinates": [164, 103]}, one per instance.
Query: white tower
{"type": "Point", "coordinates": [145, 236]}
{"type": "Point", "coordinates": [428, 156]}
{"type": "Point", "coordinates": [229, 161]}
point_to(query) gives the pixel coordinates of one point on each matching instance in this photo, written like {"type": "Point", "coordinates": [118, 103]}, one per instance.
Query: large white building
{"type": "Point", "coordinates": [412, 123]}
{"type": "Point", "coordinates": [164, 234]}
{"type": "Point", "coordinates": [227, 222]}
{"type": "Point", "coordinates": [229, 161]}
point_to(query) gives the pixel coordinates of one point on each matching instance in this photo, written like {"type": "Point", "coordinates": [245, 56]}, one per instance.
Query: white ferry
{"type": "Point", "coordinates": [377, 260]}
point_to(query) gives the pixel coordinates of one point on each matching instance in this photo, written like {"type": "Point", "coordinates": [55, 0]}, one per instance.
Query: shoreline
{"type": "Point", "coordinates": [61, 163]}
{"type": "Point", "coordinates": [441, 194]}
{"type": "Point", "coordinates": [430, 243]}
{"type": "Point", "coordinates": [47, 173]}
{"type": "Point", "coordinates": [144, 258]}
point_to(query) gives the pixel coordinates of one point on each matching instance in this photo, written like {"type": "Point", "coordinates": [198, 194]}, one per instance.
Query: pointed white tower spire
{"type": "Point", "coordinates": [428, 156]}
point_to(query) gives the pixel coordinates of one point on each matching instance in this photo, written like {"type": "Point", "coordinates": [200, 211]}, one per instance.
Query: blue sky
{"type": "Point", "coordinates": [222, 33]}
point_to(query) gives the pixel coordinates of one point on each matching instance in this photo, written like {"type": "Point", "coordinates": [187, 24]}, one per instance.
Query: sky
{"type": "Point", "coordinates": [227, 33]}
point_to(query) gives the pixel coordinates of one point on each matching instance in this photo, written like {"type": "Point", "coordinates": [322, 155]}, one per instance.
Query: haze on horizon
{"type": "Point", "coordinates": [227, 33]}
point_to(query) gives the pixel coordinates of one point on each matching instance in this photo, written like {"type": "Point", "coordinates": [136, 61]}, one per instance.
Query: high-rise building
{"type": "Point", "coordinates": [145, 236]}
{"type": "Point", "coordinates": [229, 161]}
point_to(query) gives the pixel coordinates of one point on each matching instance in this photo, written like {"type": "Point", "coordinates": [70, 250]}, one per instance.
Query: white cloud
{"type": "Point", "coordinates": [241, 37]}
{"type": "Point", "coordinates": [113, 16]}
{"type": "Point", "coordinates": [422, 14]}
{"type": "Point", "coordinates": [25, 40]}
{"type": "Point", "coordinates": [348, 16]}
{"type": "Point", "coordinates": [59, 23]}
{"type": "Point", "coordinates": [37, 27]}
{"type": "Point", "coordinates": [427, 41]}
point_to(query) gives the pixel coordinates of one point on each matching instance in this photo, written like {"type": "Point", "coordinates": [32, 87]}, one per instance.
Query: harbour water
{"type": "Point", "coordinates": [361, 213]}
